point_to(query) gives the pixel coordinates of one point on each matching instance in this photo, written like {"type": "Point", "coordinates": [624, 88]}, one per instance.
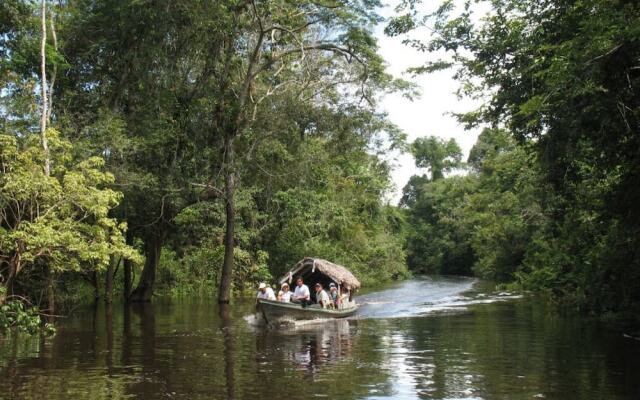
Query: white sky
{"type": "Point", "coordinates": [426, 115]}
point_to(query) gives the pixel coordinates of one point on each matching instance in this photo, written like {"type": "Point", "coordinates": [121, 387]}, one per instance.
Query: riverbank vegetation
{"type": "Point", "coordinates": [200, 147]}
{"type": "Point", "coordinates": [190, 147]}
{"type": "Point", "coordinates": [551, 199]}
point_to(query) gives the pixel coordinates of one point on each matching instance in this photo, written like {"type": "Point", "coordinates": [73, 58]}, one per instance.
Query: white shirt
{"type": "Point", "coordinates": [323, 297]}
{"type": "Point", "coordinates": [285, 296]}
{"type": "Point", "coordinates": [268, 294]}
{"type": "Point", "coordinates": [302, 292]}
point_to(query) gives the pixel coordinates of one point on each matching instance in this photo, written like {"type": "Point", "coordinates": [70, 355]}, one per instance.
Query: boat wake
{"type": "Point", "coordinates": [416, 297]}
{"type": "Point", "coordinates": [426, 295]}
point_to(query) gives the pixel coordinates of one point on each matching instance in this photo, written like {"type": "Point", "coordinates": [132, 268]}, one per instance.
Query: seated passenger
{"type": "Point", "coordinates": [333, 295]}
{"type": "Point", "coordinates": [284, 294]}
{"type": "Point", "coordinates": [322, 297]}
{"type": "Point", "coordinates": [301, 293]}
{"type": "Point", "coordinates": [265, 292]}
{"type": "Point", "coordinates": [344, 297]}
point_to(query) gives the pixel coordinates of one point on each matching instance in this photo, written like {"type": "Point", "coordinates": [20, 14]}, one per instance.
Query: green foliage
{"type": "Point", "coordinates": [437, 155]}
{"type": "Point", "coordinates": [197, 271]}
{"type": "Point", "coordinates": [14, 314]}
{"type": "Point", "coordinates": [63, 220]}
{"type": "Point", "coordinates": [559, 212]}
{"type": "Point", "coordinates": [438, 239]}
{"type": "Point", "coordinates": [490, 143]}
{"type": "Point", "coordinates": [150, 102]}
{"type": "Point", "coordinates": [333, 208]}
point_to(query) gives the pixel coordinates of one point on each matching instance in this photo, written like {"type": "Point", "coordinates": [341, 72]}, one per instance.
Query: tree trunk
{"type": "Point", "coordinates": [153, 247]}
{"type": "Point", "coordinates": [96, 285]}
{"type": "Point", "coordinates": [128, 268]}
{"type": "Point", "coordinates": [8, 286]}
{"type": "Point", "coordinates": [108, 284]}
{"type": "Point", "coordinates": [43, 88]}
{"type": "Point", "coordinates": [51, 292]}
{"type": "Point", "coordinates": [224, 293]}
{"type": "Point", "coordinates": [51, 297]}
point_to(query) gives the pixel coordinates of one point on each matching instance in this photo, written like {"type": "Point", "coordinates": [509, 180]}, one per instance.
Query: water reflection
{"type": "Point", "coordinates": [309, 346]}
{"type": "Point", "coordinates": [196, 350]}
{"type": "Point", "coordinates": [226, 327]}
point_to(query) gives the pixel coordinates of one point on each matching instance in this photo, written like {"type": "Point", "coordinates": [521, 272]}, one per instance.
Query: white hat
{"type": "Point", "coordinates": [262, 285]}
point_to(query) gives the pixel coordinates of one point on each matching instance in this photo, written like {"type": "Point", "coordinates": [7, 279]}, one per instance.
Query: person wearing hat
{"type": "Point", "coordinates": [285, 294]}
{"type": "Point", "coordinates": [265, 292]}
{"type": "Point", "coordinates": [322, 297]}
{"type": "Point", "coordinates": [334, 295]}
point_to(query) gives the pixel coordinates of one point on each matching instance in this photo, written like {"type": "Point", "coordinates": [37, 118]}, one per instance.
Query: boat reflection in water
{"type": "Point", "coordinates": [309, 346]}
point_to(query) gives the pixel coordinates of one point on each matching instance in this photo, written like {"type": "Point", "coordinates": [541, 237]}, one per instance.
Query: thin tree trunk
{"type": "Point", "coordinates": [231, 132]}
{"type": "Point", "coordinates": [8, 286]}
{"type": "Point", "coordinates": [128, 267]}
{"type": "Point", "coordinates": [96, 285]}
{"type": "Point", "coordinates": [54, 73]}
{"type": "Point", "coordinates": [108, 284]}
{"type": "Point", "coordinates": [51, 292]}
{"type": "Point", "coordinates": [153, 247]}
{"type": "Point", "coordinates": [51, 297]}
{"type": "Point", "coordinates": [43, 84]}
{"type": "Point", "coordinates": [224, 294]}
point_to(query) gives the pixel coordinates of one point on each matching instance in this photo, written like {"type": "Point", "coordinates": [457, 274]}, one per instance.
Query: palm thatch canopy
{"type": "Point", "coordinates": [319, 270]}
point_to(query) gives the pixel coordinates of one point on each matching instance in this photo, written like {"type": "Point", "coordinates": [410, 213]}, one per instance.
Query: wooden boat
{"type": "Point", "coordinates": [273, 311]}
{"type": "Point", "coordinates": [312, 271]}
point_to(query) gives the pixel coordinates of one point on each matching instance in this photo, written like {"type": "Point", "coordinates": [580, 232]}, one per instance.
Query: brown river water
{"type": "Point", "coordinates": [428, 338]}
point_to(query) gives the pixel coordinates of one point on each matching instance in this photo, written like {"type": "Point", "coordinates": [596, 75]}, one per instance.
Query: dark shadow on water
{"type": "Point", "coordinates": [108, 316]}
{"type": "Point", "coordinates": [126, 334]}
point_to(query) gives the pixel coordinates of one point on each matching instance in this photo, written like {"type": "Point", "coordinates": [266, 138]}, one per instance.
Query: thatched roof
{"type": "Point", "coordinates": [337, 273]}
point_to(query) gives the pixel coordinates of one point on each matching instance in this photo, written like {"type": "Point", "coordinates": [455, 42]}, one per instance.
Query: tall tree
{"type": "Point", "coordinates": [436, 154]}
{"type": "Point", "coordinates": [266, 47]}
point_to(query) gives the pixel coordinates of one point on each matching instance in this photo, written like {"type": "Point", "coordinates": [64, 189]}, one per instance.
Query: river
{"type": "Point", "coordinates": [428, 338]}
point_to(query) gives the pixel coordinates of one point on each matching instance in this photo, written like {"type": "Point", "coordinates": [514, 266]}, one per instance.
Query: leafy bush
{"type": "Point", "coordinates": [198, 270]}
{"type": "Point", "coordinates": [25, 318]}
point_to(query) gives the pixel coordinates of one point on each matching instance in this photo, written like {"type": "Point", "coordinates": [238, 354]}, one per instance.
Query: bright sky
{"type": "Point", "coordinates": [427, 115]}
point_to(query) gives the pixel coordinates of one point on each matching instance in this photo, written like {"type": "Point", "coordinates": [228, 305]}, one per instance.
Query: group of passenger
{"type": "Point", "coordinates": [302, 295]}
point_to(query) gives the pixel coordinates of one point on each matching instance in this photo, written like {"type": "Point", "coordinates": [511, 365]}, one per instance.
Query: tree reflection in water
{"type": "Point", "coordinates": [226, 326]}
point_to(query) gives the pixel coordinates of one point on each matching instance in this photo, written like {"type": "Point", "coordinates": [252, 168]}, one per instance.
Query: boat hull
{"type": "Point", "coordinates": [273, 311]}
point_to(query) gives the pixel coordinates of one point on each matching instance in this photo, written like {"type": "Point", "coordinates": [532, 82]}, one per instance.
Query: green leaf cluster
{"type": "Point", "coordinates": [14, 314]}
{"type": "Point", "coordinates": [61, 220]}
